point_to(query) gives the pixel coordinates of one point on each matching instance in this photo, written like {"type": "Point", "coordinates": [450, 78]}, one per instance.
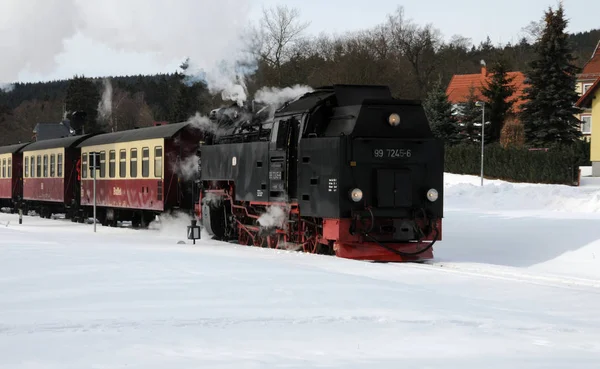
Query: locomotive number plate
{"type": "Point", "coordinates": [392, 153]}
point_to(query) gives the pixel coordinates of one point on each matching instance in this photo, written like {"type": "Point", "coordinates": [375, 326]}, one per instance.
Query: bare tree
{"type": "Point", "coordinates": [533, 31]}
{"type": "Point", "coordinates": [278, 31]}
{"type": "Point", "coordinates": [418, 44]}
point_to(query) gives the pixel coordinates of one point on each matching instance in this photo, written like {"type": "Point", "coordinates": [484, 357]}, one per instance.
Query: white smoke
{"type": "Point", "coordinates": [212, 199]}
{"type": "Point", "coordinates": [227, 77]}
{"type": "Point", "coordinates": [188, 168]}
{"type": "Point", "coordinates": [172, 225]}
{"type": "Point", "coordinates": [105, 104]}
{"type": "Point", "coordinates": [32, 34]}
{"type": "Point", "coordinates": [275, 97]}
{"type": "Point", "coordinates": [275, 216]}
{"type": "Point", "coordinates": [208, 32]}
{"type": "Point", "coordinates": [7, 87]}
{"type": "Point", "coordinates": [202, 123]}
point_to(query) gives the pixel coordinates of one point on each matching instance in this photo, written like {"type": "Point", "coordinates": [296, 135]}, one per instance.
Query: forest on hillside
{"type": "Point", "coordinates": [408, 57]}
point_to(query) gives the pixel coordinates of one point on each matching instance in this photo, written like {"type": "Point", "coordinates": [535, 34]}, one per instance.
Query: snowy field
{"type": "Point", "coordinates": [515, 284]}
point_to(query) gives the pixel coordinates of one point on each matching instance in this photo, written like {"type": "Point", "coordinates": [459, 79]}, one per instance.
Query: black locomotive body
{"type": "Point", "coordinates": [344, 170]}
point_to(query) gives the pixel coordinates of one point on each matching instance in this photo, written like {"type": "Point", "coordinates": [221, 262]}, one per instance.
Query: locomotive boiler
{"type": "Point", "coordinates": [345, 170]}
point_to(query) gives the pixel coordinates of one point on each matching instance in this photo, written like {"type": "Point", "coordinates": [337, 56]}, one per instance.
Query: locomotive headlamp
{"type": "Point", "coordinates": [432, 195]}
{"type": "Point", "coordinates": [394, 119]}
{"type": "Point", "coordinates": [356, 195]}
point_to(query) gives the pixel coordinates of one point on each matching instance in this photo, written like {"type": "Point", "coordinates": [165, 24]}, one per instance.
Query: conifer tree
{"type": "Point", "coordinates": [439, 113]}
{"type": "Point", "coordinates": [82, 97]}
{"type": "Point", "coordinates": [499, 105]}
{"type": "Point", "coordinates": [549, 114]}
{"type": "Point", "coordinates": [469, 115]}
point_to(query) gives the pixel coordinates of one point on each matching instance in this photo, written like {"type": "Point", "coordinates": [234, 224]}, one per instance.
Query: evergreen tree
{"type": "Point", "coordinates": [498, 91]}
{"type": "Point", "coordinates": [549, 114]}
{"type": "Point", "coordinates": [82, 100]}
{"type": "Point", "coordinates": [468, 116]}
{"type": "Point", "coordinates": [439, 113]}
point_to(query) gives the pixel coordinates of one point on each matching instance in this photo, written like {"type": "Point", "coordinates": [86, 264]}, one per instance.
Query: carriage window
{"type": "Point", "coordinates": [123, 163]}
{"type": "Point", "coordinates": [145, 162]}
{"type": "Point", "coordinates": [59, 165]}
{"type": "Point", "coordinates": [9, 170]}
{"type": "Point", "coordinates": [52, 165]}
{"type": "Point", "coordinates": [111, 163]}
{"type": "Point", "coordinates": [38, 166]}
{"type": "Point", "coordinates": [133, 166]}
{"type": "Point", "coordinates": [102, 164]}
{"type": "Point", "coordinates": [45, 166]}
{"type": "Point", "coordinates": [32, 170]}
{"type": "Point", "coordinates": [84, 172]}
{"type": "Point", "coordinates": [26, 172]}
{"type": "Point", "coordinates": [3, 168]}
{"type": "Point", "coordinates": [158, 161]}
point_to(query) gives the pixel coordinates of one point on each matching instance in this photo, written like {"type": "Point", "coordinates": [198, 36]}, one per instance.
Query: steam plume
{"type": "Point", "coordinates": [105, 104]}
{"type": "Point", "coordinates": [275, 97]}
{"type": "Point", "coordinates": [170, 31]}
{"type": "Point", "coordinates": [188, 168]}
{"type": "Point", "coordinates": [7, 87]}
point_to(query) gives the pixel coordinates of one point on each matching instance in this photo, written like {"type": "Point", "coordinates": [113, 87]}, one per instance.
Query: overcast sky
{"type": "Point", "coordinates": [151, 23]}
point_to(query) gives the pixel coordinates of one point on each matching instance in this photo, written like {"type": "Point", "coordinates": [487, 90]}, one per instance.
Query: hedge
{"type": "Point", "coordinates": [558, 164]}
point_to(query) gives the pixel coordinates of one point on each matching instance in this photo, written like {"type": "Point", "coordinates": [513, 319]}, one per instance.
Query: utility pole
{"type": "Point", "coordinates": [94, 166]}
{"type": "Point", "coordinates": [95, 157]}
{"type": "Point", "coordinates": [482, 104]}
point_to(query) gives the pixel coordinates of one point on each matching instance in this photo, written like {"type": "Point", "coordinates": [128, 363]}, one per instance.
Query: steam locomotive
{"type": "Point", "coordinates": [343, 170]}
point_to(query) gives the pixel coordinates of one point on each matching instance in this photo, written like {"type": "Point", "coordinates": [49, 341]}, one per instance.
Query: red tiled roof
{"type": "Point", "coordinates": [591, 69]}
{"type": "Point", "coordinates": [458, 88]}
{"type": "Point", "coordinates": [585, 99]}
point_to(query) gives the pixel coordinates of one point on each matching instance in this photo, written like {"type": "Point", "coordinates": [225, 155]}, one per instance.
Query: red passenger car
{"type": "Point", "coordinates": [11, 175]}
{"type": "Point", "coordinates": [50, 178]}
{"type": "Point", "coordinates": [142, 172]}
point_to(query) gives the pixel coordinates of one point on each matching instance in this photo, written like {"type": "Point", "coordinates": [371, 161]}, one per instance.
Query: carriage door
{"type": "Point", "coordinates": [282, 160]}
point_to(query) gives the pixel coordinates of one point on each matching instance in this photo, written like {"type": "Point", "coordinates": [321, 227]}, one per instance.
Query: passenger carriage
{"type": "Point", "coordinates": [50, 182]}
{"type": "Point", "coordinates": [140, 173]}
{"type": "Point", "coordinates": [11, 185]}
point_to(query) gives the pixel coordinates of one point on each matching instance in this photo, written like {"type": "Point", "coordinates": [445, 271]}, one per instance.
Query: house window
{"type": "Point", "coordinates": [45, 166]}
{"type": "Point", "coordinates": [59, 165]}
{"type": "Point", "coordinates": [586, 86]}
{"type": "Point", "coordinates": [586, 124]}
{"type": "Point", "coordinates": [158, 161]}
{"type": "Point", "coordinates": [145, 162]}
{"type": "Point", "coordinates": [84, 160]}
{"type": "Point", "coordinates": [26, 172]}
{"type": "Point", "coordinates": [123, 163]}
{"type": "Point", "coordinates": [52, 165]}
{"type": "Point", "coordinates": [111, 163]}
{"type": "Point", "coordinates": [133, 165]}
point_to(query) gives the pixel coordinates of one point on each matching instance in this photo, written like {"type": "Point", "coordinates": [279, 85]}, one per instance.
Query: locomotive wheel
{"type": "Point", "coordinates": [273, 240]}
{"type": "Point", "coordinates": [218, 223]}
{"type": "Point", "coordinates": [243, 237]}
{"type": "Point", "coordinates": [259, 241]}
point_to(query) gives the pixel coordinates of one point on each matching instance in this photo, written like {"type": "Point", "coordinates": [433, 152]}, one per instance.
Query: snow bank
{"type": "Point", "coordinates": [462, 192]}
{"type": "Point", "coordinates": [508, 229]}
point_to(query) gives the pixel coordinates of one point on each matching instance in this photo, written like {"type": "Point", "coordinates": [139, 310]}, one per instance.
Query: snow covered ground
{"type": "Point", "coordinates": [510, 288]}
